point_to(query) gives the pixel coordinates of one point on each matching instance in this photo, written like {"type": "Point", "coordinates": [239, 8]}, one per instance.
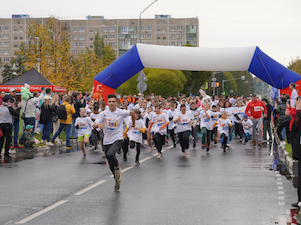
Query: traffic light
{"type": "Point", "coordinates": [217, 84]}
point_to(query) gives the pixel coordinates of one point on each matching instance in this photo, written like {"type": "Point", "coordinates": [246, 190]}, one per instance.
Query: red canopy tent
{"type": "Point", "coordinates": [32, 77]}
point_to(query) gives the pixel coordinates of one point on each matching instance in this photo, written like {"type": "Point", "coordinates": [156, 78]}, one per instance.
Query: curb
{"type": "Point", "coordinates": [291, 164]}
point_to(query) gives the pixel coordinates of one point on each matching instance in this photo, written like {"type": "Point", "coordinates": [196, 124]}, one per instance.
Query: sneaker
{"type": "Point", "coordinates": [84, 156]}
{"type": "Point", "coordinates": [224, 150]}
{"type": "Point", "coordinates": [296, 205]}
{"type": "Point", "coordinates": [174, 145]}
{"type": "Point", "coordinates": [7, 157]}
{"type": "Point", "coordinates": [194, 145]}
{"type": "Point", "coordinates": [203, 146]}
{"type": "Point", "coordinates": [228, 145]}
{"type": "Point", "coordinates": [183, 154]}
{"type": "Point", "coordinates": [186, 152]}
{"type": "Point", "coordinates": [137, 163]}
{"type": "Point", "coordinates": [260, 144]}
{"type": "Point", "coordinates": [254, 142]}
{"type": "Point", "coordinates": [69, 148]}
{"type": "Point", "coordinates": [49, 144]}
{"type": "Point", "coordinates": [208, 149]}
{"type": "Point", "coordinates": [215, 142]}
{"type": "Point", "coordinates": [240, 140]}
{"type": "Point", "coordinates": [43, 141]}
{"type": "Point", "coordinates": [125, 158]}
{"type": "Point", "coordinates": [103, 155]}
{"type": "Point", "coordinates": [159, 156]}
{"type": "Point", "coordinates": [117, 174]}
{"type": "Point", "coordinates": [18, 146]}
{"type": "Point", "coordinates": [11, 147]}
{"type": "Point", "coordinates": [150, 150]}
{"type": "Point", "coordinates": [282, 144]}
{"type": "Point", "coordinates": [95, 150]}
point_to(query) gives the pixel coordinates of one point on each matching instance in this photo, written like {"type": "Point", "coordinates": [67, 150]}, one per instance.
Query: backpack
{"type": "Point", "coordinates": [61, 112]}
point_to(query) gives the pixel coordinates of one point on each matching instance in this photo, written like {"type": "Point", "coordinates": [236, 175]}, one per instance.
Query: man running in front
{"type": "Point", "coordinates": [254, 111]}
{"type": "Point", "coordinates": [111, 121]}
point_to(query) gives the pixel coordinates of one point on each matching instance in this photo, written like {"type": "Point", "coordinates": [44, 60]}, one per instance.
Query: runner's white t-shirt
{"type": "Point", "coordinates": [196, 115]}
{"type": "Point", "coordinates": [247, 126]}
{"type": "Point", "coordinates": [94, 116]}
{"type": "Point", "coordinates": [158, 120]}
{"type": "Point", "coordinates": [214, 117]}
{"type": "Point", "coordinates": [183, 123]}
{"type": "Point", "coordinates": [230, 113]}
{"type": "Point", "coordinates": [85, 125]}
{"type": "Point", "coordinates": [240, 111]}
{"type": "Point", "coordinates": [205, 122]}
{"type": "Point", "coordinates": [113, 124]}
{"type": "Point", "coordinates": [171, 114]}
{"type": "Point", "coordinates": [223, 126]}
{"type": "Point", "coordinates": [134, 133]}
{"type": "Point", "coordinates": [294, 96]}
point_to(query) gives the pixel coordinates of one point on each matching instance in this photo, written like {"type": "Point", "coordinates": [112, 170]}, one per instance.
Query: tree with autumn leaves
{"type": "Point", "coordinates": [48, 50]}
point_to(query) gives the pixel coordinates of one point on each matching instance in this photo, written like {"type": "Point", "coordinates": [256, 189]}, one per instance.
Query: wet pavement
{"type": "Point", "coordinates": [245, 185]}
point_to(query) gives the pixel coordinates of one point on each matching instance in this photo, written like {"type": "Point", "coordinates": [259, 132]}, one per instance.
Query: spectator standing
{"type": "Point", "coordinates": [66, 123]}
{"type": "Point", "coordinates": [294, 94]}
{"type": "Point", "coordinates": [6, 120]}
{"type": "Point", "coordinates": [56, 122]}
{"type": "Point", "coordinates": [267, 120]}
{"type": "Point", "coordinates": [16, 119]}
{"type": "Point", "coordinates": [46, 119]}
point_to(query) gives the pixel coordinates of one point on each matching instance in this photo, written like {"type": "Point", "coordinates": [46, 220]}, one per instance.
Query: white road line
{"type": "Point", "coordinates": [42, 212]}
{"type": "Point", "coordinates": [280, 192]}
{"type": "Point", "coordinates": [279, 179]}
{"type": "Point", "coordinates": [281, 197]}
{"type": "Point", "coordinates": [279, 183]}
{"type": "Point", "coordinates": [124, 170]}
{"type": "Point", "coordinates": [280, 188]}
{"type": "Point", "coordinates": [143, 160]}
{"type": "Point", "coordinates": [89, 188]}
{"type": "Point", "coordinates": [281, 203]}
{"type": "Point", "coordinates": [278, 175]}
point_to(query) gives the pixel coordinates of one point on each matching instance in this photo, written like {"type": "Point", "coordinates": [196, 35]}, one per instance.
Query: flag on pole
{"type": "Point", "coordinates": [274, 93]}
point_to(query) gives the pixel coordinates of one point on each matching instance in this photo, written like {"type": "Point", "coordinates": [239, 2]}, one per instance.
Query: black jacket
{"type": "Point", "coordinates": [46, 114]}
{"type": "Point", "coordinates": [282, 119]}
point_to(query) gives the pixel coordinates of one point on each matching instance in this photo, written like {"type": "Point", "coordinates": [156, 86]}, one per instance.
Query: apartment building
{"type": "Point", "coordinates": [120, 34]}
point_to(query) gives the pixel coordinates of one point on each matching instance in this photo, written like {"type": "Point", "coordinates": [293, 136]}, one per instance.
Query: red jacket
{"type": "Point", "coordinates": [254, 109]}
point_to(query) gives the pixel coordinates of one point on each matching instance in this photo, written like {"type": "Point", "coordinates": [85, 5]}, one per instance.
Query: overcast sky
{"type": "Point", "coordinates": [272, 25]}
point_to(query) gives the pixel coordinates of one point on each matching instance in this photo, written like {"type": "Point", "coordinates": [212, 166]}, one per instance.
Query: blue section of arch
{"type": "Point", "coordinates": [270, 71]}
{"type": "Point", "coordinates": [121, 69]}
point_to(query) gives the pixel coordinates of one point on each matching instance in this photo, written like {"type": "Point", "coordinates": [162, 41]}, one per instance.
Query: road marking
{"type": "Point", "coordinates": [42, 212]}
{"type": "Point", "coordinates": [281, 203]}
{"type": "Point", "coordinates": [89, 188]}
{"type": "Point", "coordinates": [280, 188]}
{"type": "Point", "coordinates": [143, 160]}
{"type": "Point", "coordinates": [281, 192]}
{"type": "Point", "coordinates": [278, 175]}
{"type": "Point", "coordinates": [279, 183]}
{"type": "Point", "coordinates": [124, 170]}
{"type": "Point", "coordinates": [281, 197]}
{"type": "Point", "coordinates": [279, 179]}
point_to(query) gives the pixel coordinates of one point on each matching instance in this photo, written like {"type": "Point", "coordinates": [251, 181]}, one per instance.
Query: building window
{"type": "Point", "coordinates": [149, 43]}
{"type": "Point", "coordinates": [74, 44]}
{"type": "Point", "coordinates": [112, 44]}
{"type": "Point", "coordinates": [132, 43]}
{"type": "Point", "coordinates": [91, 31]}
{"type": "Point", "coordinates": [5, 52]}
{"type": "Point", "coordinates": [81, 44]}
{"type": "Point", "coordinates": [75, 52]}
{"type": "Point", "coordinates": [15, 46]}
{"type": "Point", "coordinates": [173, 36]}
{"type": "Point", "coordinates": [179, 36]}
{"type": "Point", "coordinates": [192, 42]}
{"type": "Point", "coordinates": [21, 30]}
{"type": "Point", "coordinates": [173, 43]}
{"type": "Point", "coordinates": [91, 39]}
{"type": "Point", "coordinates": [121, 36]}
{"type": "Point", "coordinates": [15, 30]}
{"type": "Point", "coordinates": [105, 37]}
{"type": "Point", "coordinates": [164, 38]}
{"type": "Point", "coordinates": [5, 28]}
{"type": "Point", "coordinates": [124, 29]}
{"type": "Point", "coordinates": [173, 28]}
{"type": "Point", "coordinates": [5, 59]}
{"type": "Point", "coordinates": [81, 29]}
{"type": "Point", "coordinates": [149, 28]}
{"type": "Point", "coordinates": [180, 28]}
{"type": "Point", "coordinates": [105, 29]}
{"type": "Point", "coordinates": [74, 29]}
{"type": "Point", "coordinates": [148, 36]}
{"type": "Point", "coordinates": [158, 38]}
{"type": "Point", "coordinates": [5, 36]}
{"type": "Point", "coordinates": [112, 29]}
{"type": "Point", "coordinates": [5, 44]}
{"type": "Point", "coordinates": [15, 38]}
{"type": "Point", "coordinates": [111, 36]}
{"type": "Point", "coordinates": [0, 52]}
{"type": "Point", "coordinates": [164, 30]}
{"type": "Point", "coordinates": [179, 43]}
{"type": "Point", "coordinates": [21, 38]}
{"type": "Point", "coordinates": [142, 36]}
{"type": "Point", "coordinates": [74, 37]}
{"type": "Point", "coordinates": [91, 46]}
{"type": "Point", "coordinates": [131, 29]}
{"type": "Point", "coordinates": [158, 30]}
{"type": "Point", "coordinates": [142, 28]}
{"type": "Point", "coordinates": [81, 37]}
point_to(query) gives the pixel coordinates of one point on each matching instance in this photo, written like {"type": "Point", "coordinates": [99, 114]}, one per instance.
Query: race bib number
{"type": "Point", "coordinates": [112, 124]}
{"type": "Point", "coordinates": [257, 108]}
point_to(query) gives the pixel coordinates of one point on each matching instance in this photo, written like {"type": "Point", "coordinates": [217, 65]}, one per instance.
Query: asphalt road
{"type": "Point", "coordinates": [241, 186]}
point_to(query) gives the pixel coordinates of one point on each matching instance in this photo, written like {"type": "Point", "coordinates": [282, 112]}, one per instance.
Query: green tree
{"type": "Point", "coordinates": [8, 73]}
{"type": "Point", "coordinates": [195, 79]}
{"type": "Point", "coordinates": [104, 53]}
{"type": "Point", "coordinates": [98, 45]}
{"type": "Point", "coordinates": [295, 65]}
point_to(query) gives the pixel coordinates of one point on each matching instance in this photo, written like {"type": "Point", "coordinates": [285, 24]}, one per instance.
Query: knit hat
{"type": "Point", "coordinates": [6, 98]}
{"type": "Point", "coordinates": [26, 86]}
{"type": "Point", "coordinates": [245, 116]}
{"type": "Point", "coordinates": [88, 111]}
{"type": "Point", "coordinates": [28, 127]}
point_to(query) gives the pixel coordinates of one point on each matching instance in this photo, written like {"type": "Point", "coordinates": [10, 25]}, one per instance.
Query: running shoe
{"type": "Point", "coordinates": [117, 175]}
{"type": "Point", "coordinates": [11, 147]}
{"type": "Point", "coordinates": [150, 150]}
{"type": "Point", "coordinates": [84, 156]}
{"type": "Point", "coordinates": [137, 163]}
{"type": "Point", "coordinates": [183, 154]}
{"type": "Point", "coordinates": [224, 150]}
{"type": "Point", "coordinates": [207, 149]}
{"type": "Point", "coordinates": [194, 145]}
{"type": "Point", "coordinates": [18, 146]}
{"type": "Point", "coordinates": [260, 144]}
{"type": "Point", "coordinates": [186, 152]}
{"type": "Point", "coordinates": [159, 156]}
{"type": "Point", "coordinates": [103, 155]}
{"type": "Point", "coordinates": [254, 142]}
{"type": "Point", "coordinates": [174, 145]}
{"type": "Point", "coordinates": [240, 140]}
{"type": "Point", "coordinates": [125, 158]}
{"type": "Point", "coordinates": [215, 142]}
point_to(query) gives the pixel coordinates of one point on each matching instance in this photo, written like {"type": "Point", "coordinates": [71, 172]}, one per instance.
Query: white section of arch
{"type": "Point", "coordinates": [195, 59]}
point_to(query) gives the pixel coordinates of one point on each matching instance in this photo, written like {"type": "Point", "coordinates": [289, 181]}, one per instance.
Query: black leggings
{"type": "Point", "coordinates": [138, 145]}
{"type": "Point", "coordinates": [184, 139]}
{"type": "Point", "coordinates": [172, 135]}
{"type": "Point", "coordinates": [110, 151]}
{"type": "Point", "coordinates": [6, 130]}
{"type": "Point", "coordinates": [159, 140]}
{"type": "Point", "coordinates": [239, 129]}
{"type": "Point", "coordinates": [224, 141]}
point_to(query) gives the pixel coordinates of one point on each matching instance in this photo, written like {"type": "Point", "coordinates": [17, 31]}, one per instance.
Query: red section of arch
{"type": "Point", "coordinates": [101, 90]}
{"type": "Point", "coordinates": [288, 91]}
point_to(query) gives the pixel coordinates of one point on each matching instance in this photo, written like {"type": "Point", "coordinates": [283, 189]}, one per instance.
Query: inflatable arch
{"type": "Point", "coordinates": [142, 56]}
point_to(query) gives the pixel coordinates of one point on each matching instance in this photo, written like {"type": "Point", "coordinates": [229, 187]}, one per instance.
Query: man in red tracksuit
{"type": "Point", "coordinates": [254, 111]}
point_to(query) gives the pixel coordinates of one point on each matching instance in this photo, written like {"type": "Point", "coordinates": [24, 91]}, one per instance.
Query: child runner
{"type": "Point", "coordinates": [184, 122]}
{"type": "Point", "coordinates": [159, 122]}
{"type": "Point", "coordinates": [96, 132]}
{"type": "Point", "coordinates": [147, 119]}
{"type": "Point", "coordinates": [239, 112]}
{"type": "Point", "coordinates": [223, 127]}
{"type": "Point", "coordinates": [247, 126]}
{"type": "Point", "coordinates": [206, 126]}
{"type": "Point", "coordinates": [215, 116]}
{"type": "Point", "coordinates": [84, 125]}
{"type": "Point", "coordinates": [135, 134]}
{"type": "Point", "coordinates": [171, 126]}
{"type": "Point", "coordinates": [195, 126]}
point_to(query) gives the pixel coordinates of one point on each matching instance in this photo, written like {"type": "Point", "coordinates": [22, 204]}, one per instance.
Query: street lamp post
{"type": "Point", "coordinates": [223, 81]}
{"type": "Point", "coordinates": [140, 19]}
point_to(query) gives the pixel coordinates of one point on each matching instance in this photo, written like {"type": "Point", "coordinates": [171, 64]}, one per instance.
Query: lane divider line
{"type": "Point", "coordinates": [42, 212]}
{"type": "Point", "coordinates": [143, 160]}
{"type": "Point", "coordinates": [89, 188]}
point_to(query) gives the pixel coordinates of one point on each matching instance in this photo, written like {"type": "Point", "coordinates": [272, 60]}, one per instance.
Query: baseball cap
{"type": "Point", "coordinates": [28, 127]}
{"type": "Point", "coordinates": [12, 90]}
